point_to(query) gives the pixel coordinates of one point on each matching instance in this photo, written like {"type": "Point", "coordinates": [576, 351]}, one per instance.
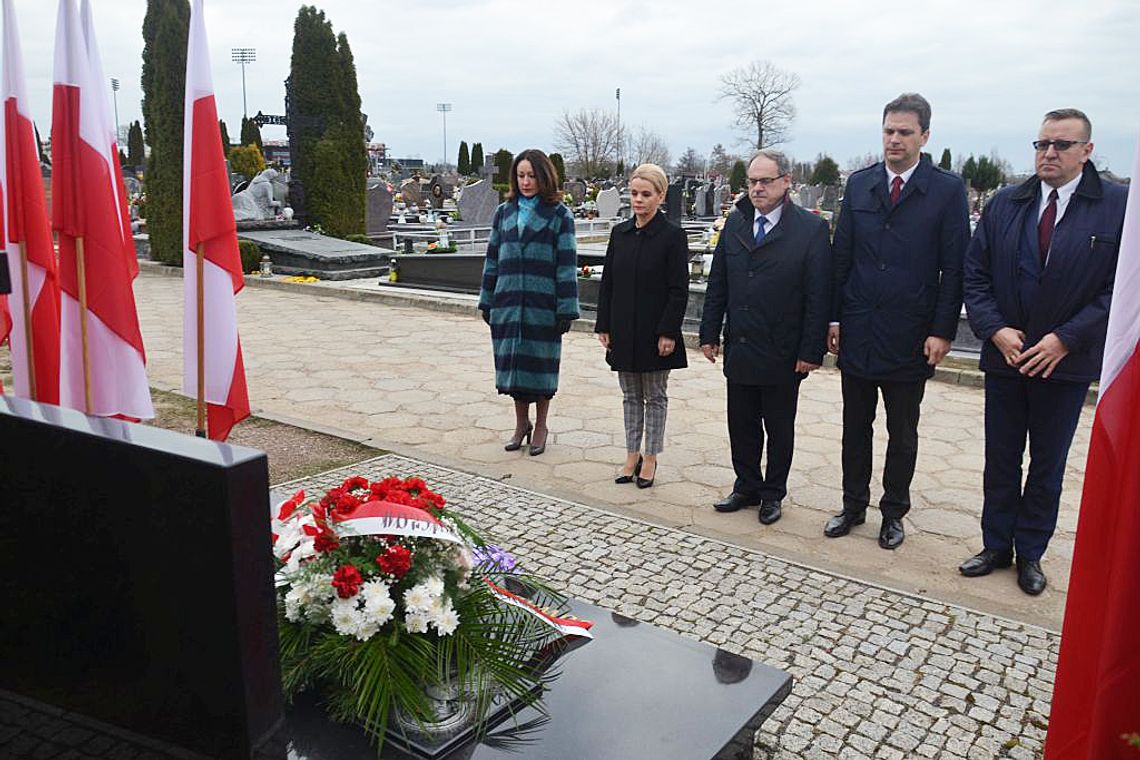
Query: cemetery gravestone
{"type": "Point", "coordinates": [411, 192]}
{"type": "Point", "coordinates": [700, 201]}
{"type": "Point", "coordinates": [577, 190]}
{"type": "Point", "coordinates": [477, 204]}
{"type": "Point", "coordinates": [674, 197]}
{"type": "Point", "coordinates": [378, 209]}
{"type": "Point", "coordinates": [609, 201]}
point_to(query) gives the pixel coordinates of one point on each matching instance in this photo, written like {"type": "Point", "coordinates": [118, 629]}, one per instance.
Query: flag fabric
{"type": "Point", "coordinates": [27, 223]}
{"type": "Point", "coordinates": [89, 204]}
{"type": "Point", "coordinates": [208, 223]}
{"type": "Point", "coordinates": [1096, 694]}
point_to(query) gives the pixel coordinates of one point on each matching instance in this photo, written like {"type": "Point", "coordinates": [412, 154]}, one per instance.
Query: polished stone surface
{"type": "Point", "coordinates": [635, 691]}
{"type": "Point", "coordinates": [136, 578]}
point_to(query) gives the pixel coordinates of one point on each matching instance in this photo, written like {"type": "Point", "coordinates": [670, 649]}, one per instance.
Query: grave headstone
{"type": "Point", "coordinates": [439, 190]}
{"type": "Point", "coordinates": [711, 206]}
{"type": "Point", "coordinates": [674, 200]}
{"type": "Point", "coordinates": [701, 201]}
{"type": "Point", "coordinates": [829, 200]}
{"type": "Point", "coordinates": [609, 201]}
{"type": "Point", "coordinates": [411, 192]}
{"type": "Point", "coordinates": [577, 190]}
{"type": "Point", "coordinates": [719, 196]}
{"type": "Point", "coordinates": [477, 204]}
{"type": "Point", "coordinates": [378, 209]}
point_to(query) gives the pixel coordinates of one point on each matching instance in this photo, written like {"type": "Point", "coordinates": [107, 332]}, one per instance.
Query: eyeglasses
{"type": "Point", "coordinates": [1060, 145]}
{"type": "Point", "coordinates": [765, 181]}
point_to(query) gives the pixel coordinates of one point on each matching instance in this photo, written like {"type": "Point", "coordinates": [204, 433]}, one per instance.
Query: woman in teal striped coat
{"type": "Point", "coordinates": [530, 293]}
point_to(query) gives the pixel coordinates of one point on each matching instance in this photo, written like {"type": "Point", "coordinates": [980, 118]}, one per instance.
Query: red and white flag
{"type": "Point", "coordinates": [89, 205]}
{"type": "Point", "coordinates": [27, 223]}
{"type": "Point", "coordinates": [208, 223]}
{"type": "Point", "coordinates": [1096, 694]}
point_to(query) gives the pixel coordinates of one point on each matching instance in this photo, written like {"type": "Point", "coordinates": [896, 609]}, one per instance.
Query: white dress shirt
{"type": "Point", "coordinates": [772, 217]}
{"type": "Point", "coordinates": [1064, 194]}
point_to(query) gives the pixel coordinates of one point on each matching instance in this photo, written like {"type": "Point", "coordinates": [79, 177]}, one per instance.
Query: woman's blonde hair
{"type": "Point", "coordinates": [654, 175]}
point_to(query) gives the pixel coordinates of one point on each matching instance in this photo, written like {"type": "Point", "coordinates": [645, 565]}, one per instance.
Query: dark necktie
{"type": "Point", "coordinates": [1045, 227]}
{"type": "Point", "coordinates": [760, 229]}
{"type": "Point", "coordinates": [896, 190]}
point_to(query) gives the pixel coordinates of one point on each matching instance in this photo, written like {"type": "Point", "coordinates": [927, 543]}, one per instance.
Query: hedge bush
{"type": "Point", "coordinates": [250, 256]}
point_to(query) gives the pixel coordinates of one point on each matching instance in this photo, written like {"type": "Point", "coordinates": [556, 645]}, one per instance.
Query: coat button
{"type": "Point", "coordinates": [882, 267]}
{"type": "Point", "coordinates": [887, 226]}
{"type": "Point", "coordinates": [751, 273]}
{"type": "Point", "coordinates": [744, 340]}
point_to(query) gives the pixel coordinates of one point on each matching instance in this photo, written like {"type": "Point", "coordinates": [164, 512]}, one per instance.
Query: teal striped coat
{"type": "Point", "coordinates": [529, 286]}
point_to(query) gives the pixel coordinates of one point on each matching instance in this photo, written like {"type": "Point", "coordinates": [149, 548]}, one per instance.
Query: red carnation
{"type": "Point", "coordinates": [435, 499]}
{"type": "Point", "coordinates": [355, 482]}
{"type": "Point", "coordinates": [346, 504]}
{"type": "Point", "coordinates": [326, 541]}
{"type": "Point", "coordinates": [397, 561]}
{"type": "Point", "coordinates": [415, 484]}
{"type": "Point", "coordinates": [347, 581]}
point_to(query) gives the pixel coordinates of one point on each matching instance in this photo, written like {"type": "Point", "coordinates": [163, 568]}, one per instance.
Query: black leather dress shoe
{"type": "Point", "coordinates": [769, 511]}
{"type": "Point", "coordinates": [735, 502]}
{"type": "Point", "coordinates": [891, 534]}
{"type": "Point", "coordinates": [1029, 576]}
{"type": "Point", "coordinates": [842, 523]}
{"type": "Point", "coordinates": [985, 562]}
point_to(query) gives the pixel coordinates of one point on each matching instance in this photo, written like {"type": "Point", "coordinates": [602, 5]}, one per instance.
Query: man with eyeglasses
{"type": "Point", "coordinates": [1039, 276]}
{"type": "Point", "coordinates": [769, 290]}
{"type": "Point", "coordinates": [898, 248]}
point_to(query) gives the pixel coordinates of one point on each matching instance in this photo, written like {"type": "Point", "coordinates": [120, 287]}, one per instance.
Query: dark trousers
{"type": "Point", "coordinates": [1013, 516]}
{"type": "Point", "coordinates": [902, 401]}
{"type": "Point", "coordinates": [754, 410]}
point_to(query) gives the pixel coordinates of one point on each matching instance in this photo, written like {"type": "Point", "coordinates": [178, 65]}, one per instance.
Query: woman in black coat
{"type": "Point", "coordinates": [645, 288]}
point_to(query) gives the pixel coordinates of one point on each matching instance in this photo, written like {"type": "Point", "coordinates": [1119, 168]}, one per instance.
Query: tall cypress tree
{"type": "Point", "coordinates": [503, 160]}
{"type": "Point", "coordinates": [559, 168]}
{"type": "Point", "coordinates": [136, 151]}
{"type": "Point", "coordinates": [165, 29]}
{"type": "Point", "coordinates": [476, 158]}
{"type": "Point", "coordinates": [251, 133]}
{"type": "Point", "coordinates": [324, 108]}
{"type": "Point", "coordinates": [225, 136]}
{"type": "Point", "coordinates": [945, 161]}
{"type": "Point", "coordinates": [463, 165]}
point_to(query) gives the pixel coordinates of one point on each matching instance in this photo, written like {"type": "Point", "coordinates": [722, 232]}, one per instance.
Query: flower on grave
{"type": "Point", "coordinates": [381, 587]}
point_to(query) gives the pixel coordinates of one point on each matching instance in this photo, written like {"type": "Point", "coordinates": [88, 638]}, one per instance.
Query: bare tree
{"type": "Point", "coordinates": [855, 163]}
{"type": "Point", "coordinates": [643, 146]}
{"type": "Point", "coordinates": [761, 97]}
{"type": "Point", "coordinates": [589, 139]}
{"type": "Point", "coordinates": [721, 161]}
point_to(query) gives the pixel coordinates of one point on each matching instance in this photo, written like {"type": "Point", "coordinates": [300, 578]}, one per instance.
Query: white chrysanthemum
{"type": "Point", "coordinates": [447, 622]}
{"type": "Point", "coordinates": [365, 628]}
{"type": "Point", "coordinates": [416, 622]}
{"type": "Point", "coordinates": [379, 609]}
{"type": "Point", "coordinates": [374, 589]}
{"type": "Point", "coordinates": [434, 585]}
{"type": "Point", "coordinates": [417, 598]}
{"type": "Point", "coordinates": [293, 605]}
{"type": "Point", "coordinates": [345, 617]}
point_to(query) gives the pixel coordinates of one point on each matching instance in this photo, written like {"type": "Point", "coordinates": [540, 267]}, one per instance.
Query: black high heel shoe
{"type": "Point", "coordinates": [516, 443]}
{"type": "Point", "coordinates": [622, 479]}
{"type": "Point", "coordinates": [644, 483]}
{"type": "Point", "coordinates": [536, 450]}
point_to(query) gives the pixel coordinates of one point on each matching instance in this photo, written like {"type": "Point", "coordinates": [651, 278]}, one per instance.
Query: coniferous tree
{"type": "Point", "coordinates": [826, 171]}
{"type": "Point", "coordinates": [136, 150]}
{"type": "Point", "coordinates": [945, 161]}
{"type": "Point", "coordinates": [503, 160]}
{"type": "Point", "coordinates": [122, 157]}
{"type": "Point", "coordinates": [225, 136]}
{"type": "Point", "coordinates": [165, 29]}
{"type": "Point", "coordinates": [477, 159]}
{"type": "Point", "coordinates": [738, 176]}
{"type": "Point", "coordinates": [463, 164]}
{"type": "Point", "coordinates": [324, 110]}
{"type": "Point", "coordinates": [251, 133]}
{"type": "Point", "coordinates": [559, 168]}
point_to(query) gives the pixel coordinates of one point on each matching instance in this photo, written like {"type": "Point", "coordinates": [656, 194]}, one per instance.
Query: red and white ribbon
{"type": "Point", "coordinates": [383, 518]}
{"type": "Point", "coordinates": [569, 626]}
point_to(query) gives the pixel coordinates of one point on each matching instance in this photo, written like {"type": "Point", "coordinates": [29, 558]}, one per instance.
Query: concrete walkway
{"type": "Point", "coordinates": [413, 374]}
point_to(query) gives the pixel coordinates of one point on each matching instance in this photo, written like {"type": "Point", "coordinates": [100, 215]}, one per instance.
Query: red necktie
{"type": "Point", "coordinates": [1045, 227]}
{"type": "Point", "coordinates": [896, 190]}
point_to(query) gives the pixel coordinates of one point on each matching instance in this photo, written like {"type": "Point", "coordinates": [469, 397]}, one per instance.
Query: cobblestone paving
{"type": "Point", "coordinates": [878, 673]}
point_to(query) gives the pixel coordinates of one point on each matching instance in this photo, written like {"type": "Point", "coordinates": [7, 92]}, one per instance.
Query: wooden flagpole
{"type": "Point", "coordinates": [29, 349]}
{"type": "Point", "coordinates": [81, 272]}
{"type": "Point", "coordinates": [200, 270]}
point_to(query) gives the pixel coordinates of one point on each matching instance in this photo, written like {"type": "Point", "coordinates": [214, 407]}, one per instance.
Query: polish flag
{"type": "Point", "coordinates": [1096, 694]}
{"type": "Point", "coordinates": [208, 223]}
{"type": "Point", "coordinates": [27, 224]}
{"type": "Point", "coordinates": [89, 205]}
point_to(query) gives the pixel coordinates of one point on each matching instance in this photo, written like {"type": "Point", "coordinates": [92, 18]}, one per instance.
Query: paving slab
{"type": "Point", "coordinates": [313, 353]}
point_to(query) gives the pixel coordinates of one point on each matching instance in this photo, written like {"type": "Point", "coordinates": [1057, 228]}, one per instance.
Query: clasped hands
{"type": "Point", "coordinates": [1039, 359]}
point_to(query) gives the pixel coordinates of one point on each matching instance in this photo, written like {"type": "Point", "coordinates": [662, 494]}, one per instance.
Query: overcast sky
{"type": "Point", "coordinates": [509, 68]}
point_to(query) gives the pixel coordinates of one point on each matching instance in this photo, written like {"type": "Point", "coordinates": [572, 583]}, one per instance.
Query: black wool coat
{"type": "Point", "coordinates": [644, 292]}
{"type": "Point", "coordinates": [772, 299]}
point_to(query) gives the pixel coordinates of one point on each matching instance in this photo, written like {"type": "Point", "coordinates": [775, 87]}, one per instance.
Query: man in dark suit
{"type": "Point", "coordinates": [769, 289]}
{"type": "Point", "coordinates": [898, 249]}
{"type": "Point", "coordinates": [1039, 278]}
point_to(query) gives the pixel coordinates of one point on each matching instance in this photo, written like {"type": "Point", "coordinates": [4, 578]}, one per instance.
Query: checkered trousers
{"type": "Point", "coordinates": [644, 404]}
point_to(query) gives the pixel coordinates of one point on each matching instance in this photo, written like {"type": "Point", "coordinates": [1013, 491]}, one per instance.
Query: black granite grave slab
{"type": "Point", "coordinates": [136, 579]}
{"type": "Point", "coordinates": [636, 692]}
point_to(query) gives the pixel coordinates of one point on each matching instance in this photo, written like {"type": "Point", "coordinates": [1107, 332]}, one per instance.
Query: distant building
{"type": "Point", "coordinates": [276, 152]}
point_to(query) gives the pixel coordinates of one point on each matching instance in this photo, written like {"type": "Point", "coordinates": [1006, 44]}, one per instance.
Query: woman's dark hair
{"type": "Point", "coordinates": [544, 174]}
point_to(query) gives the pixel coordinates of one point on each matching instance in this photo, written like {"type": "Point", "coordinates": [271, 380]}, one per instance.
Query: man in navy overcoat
{"type": "Point", "coordinates": [898, 248]}
{"type": "Point", "coordinates": [1039, 276]}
